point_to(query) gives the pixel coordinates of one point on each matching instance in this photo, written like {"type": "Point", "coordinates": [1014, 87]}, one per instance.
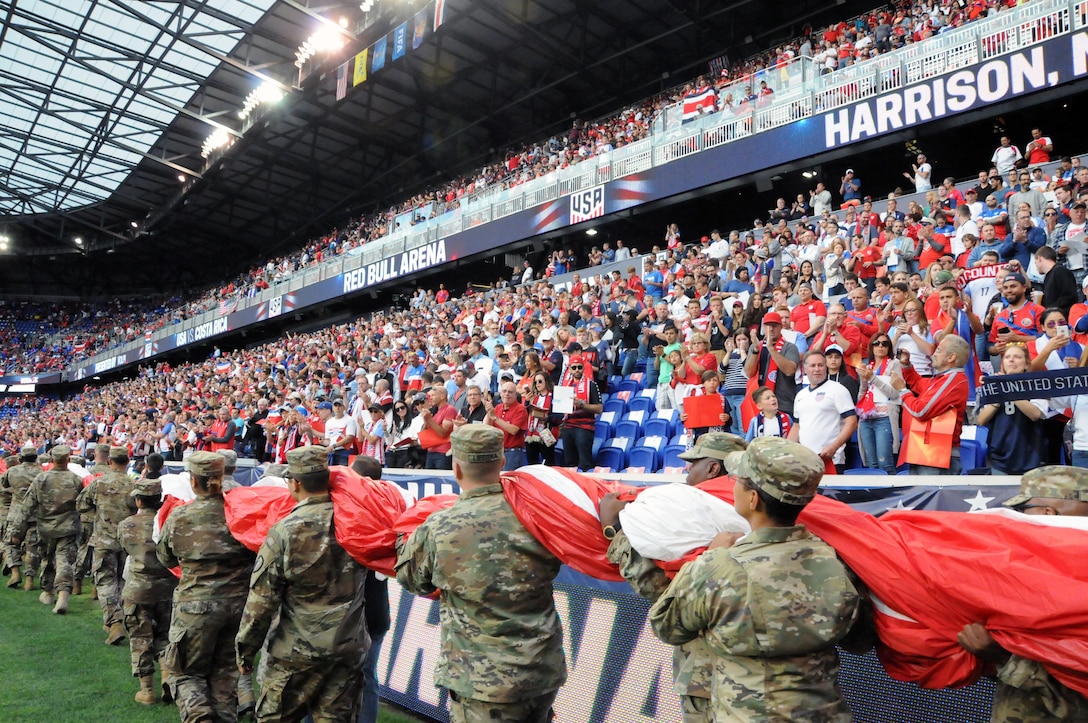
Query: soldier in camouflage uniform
{"type": "Point", "coordinates": [314, 659]}
{"type": "Point", "coordinates": [208, 602]}
{"type": "Point", "coordinates": [773, 605]}
{"type": "Point", "coordinates": [85, 556]}
{"type": "Point", "coordinates": [109, 499]}
{"type": "Point", "coordinates": [1026, 692]}
{"type": "Point", "coordinates": [13, 486]}
{"type": "Point", "coordinates": [502, 641]}
{"type": "Point", "coordinates": [148, 588]}
{"type": "Point", "coordinates": [230, 463]}
{"type": "Point", "coordinates": [51, 501]}
{"type": "Point", "coordinates": [692, 662]}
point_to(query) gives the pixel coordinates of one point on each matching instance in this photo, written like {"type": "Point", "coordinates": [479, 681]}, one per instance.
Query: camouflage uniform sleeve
{"type": "Point", "coordinates": [19, 517]}
{"type": "Point", "coordinates": [85, 503]}
{"type": "Point", "coordinates": [1029, 677]}
{"type": "Point", "coordinates": [415, 563]}
{"type": "Point", "coordinates": [164, 550]}
{"type": "Point", "coordinates": [643, 574]}
{"type": "Point", "coordinates": [683, 612]}
{"type": "Point", "coordinates": [266, 587]}
{"type": "Point", "coordinates": [862, 636]}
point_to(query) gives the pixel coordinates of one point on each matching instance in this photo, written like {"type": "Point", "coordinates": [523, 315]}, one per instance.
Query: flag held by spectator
{"type": "Point", "coordinates": [698, 100]}
{"type": "Point", "coordinates": [222, 367]}
{"type": "Point", "coordinates": [359, 76]}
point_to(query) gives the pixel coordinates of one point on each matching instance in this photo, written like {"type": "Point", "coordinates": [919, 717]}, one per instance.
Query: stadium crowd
{"type": "Point", "coordinates": [42, 338]}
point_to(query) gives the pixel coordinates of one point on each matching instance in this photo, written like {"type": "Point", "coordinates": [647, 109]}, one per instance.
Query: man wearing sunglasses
{"type": "Point", "coordinates": [576, 431]}
{"type": "Point", "coordinates": [1025, 690]}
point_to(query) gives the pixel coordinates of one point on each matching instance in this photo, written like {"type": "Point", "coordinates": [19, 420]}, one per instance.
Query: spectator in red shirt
{"type": "Point", "coordinates": [866, 259]}
{"type": "Point", "coordinates": [439, 419]}
{"type": "Point", "coordinates": [839, 333]}
{"type": "Point", "coordinates": [513, 419]}
{"type": "Point", "coordinates": [809, 316]}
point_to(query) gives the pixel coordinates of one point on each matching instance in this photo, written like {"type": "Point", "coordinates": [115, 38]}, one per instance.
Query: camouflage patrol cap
{"type": "Point", "coordinates": [304, 460]}
{"type": "Point", "coordinates": [61, 451]}
{"type": "Point", "coordinates": [476, 443]}
{"type": "Point", "coordinates": [1055, 481]}
{"type": "Point", "coordinates": [230, 457]}
{"type": "Point", "coordinates": [28, 451]}
{"type": "Point", "coordinates": [783, 469]}
{"type": "Point", "coordinates": [205, 464]}
{"type": "Point", "coordinates": [148, 488]}
{"type": "Point", "coordinates": [715, 445]}
{"type": "Point", "coordinates": [118, 453]}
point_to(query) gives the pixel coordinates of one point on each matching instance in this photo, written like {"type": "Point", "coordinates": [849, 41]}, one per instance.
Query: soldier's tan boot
{"type": "Point", "coordinates": [61, 608]}
{"type": "Point", "coordinates": [147, 690]}
{"type": "Point", "coordinates": [117, 634]}
{"type": "Point", "coordinates": [46, 598]}
{"type": "Point", "coordinates": [167, 695]}
{"type": "Point", "coordinates": [16, 577]}
{"type": "Point", "coordinates": [77, 587]}
{"type": "Point", "coordinates": [28, 582]}
{"type": "Point", "coordinates": [94, 593]}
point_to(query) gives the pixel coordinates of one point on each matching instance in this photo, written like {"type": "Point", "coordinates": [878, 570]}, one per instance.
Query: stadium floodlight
{"type": "Point", "coordinates": [327, 39]}
{"type": "Point", "coordinates": [264, 94]}
{"type": "Point", "coordinates": [4, 241]}
{"type": "Point", "coordinates": [78, 240]}
{"type": "Point", "coordinates": [591, 232]}
{"type": "Point", "coordinates": [808, 174]}
{"type": "Point", "coordinates": [215, 141]}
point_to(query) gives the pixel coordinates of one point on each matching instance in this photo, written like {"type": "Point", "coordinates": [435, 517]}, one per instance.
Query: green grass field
{"type": "Point", "coordinates": [56, 668]}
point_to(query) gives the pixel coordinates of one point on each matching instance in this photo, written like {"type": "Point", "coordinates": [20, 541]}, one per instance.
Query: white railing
{"type": "Point", "coordinates": [801, 91]}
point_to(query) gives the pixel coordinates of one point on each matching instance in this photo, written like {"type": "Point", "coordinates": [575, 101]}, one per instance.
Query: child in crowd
{"type": "Point", "coordinates": [769, 422]}
{"type": "Point", "coordinates": [708, 388]}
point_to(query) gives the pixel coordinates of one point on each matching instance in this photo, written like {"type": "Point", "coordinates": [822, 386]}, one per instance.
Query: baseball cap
{"type": "Point", "coordinates": [927, 221]}
{"type": "Point", "coordinates": [205, 464]}
{"type": "Point", "coordinates": [476, 443]}
{"type": "Point", "coordinates": [147, 488]}
{"type": "Point", "coordinates": [833, 348]}
{"type": "Point", "coordinates": [1054, 482]}
{"type": "Point", "coordinates": [669, 324]}
{"type": "Point", "coordinates": [60, 451]}
{"type": "Point", "coordinates": [942, 277]}
{"type": "Point", "coordinates": [772, 317]}
{"type": "Point", "coordinates": [547, 335]}
{"type": "Point", "coordinates": [714, 445]}
{"type": "Point", "coordinates": [444, 368]}
{"type": "Point", "coordinates": [324, 405]}
{"type": "Point", "coordinates": [118, 453]}
{"type": "Point", "coordinates": [29, 451]}
{"type": "Point", "coordinates": [1019, 278]}
{"type": "Point", "coordinates": [577, 359]}
{"type": "Point", "coordinates": [849, 170]}
{"type": "Point", "coordinates": [761, 253]}
{"type": "Point", "coordinates": [787, 471]}
{"type": "Point", "coordinates": [303, 460]}
{"type": "Point", "coordinates": [230, 457]}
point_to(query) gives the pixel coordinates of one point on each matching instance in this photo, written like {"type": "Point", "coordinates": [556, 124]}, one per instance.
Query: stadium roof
{"type": "Point", "coordinates": [103, 103]}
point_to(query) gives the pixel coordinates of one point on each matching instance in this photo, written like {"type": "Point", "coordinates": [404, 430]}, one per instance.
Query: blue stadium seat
{"type": "Point", "coordinates": [598, 442]}
{"type": "Point", "coordinates": [630, 426]}
{"type": "Point", "coordinates": [662, 423]}
{"type": "Point", "coordinates": [628, 385]}
{"type": "Point", "coordinates": [605, 425]}
{"type": "Point", "coordinates": [612, 458]}
{"type": "Point", "coordinates": [644, 400]}
{"type": "Point", "coordinates": [672, 458]}
{"type": "Point", "coordinates": [681, 439]}
{"type": "Point", "coordinates": [972, 454]}
{"type": "Point", "coordinates": [619, 406]}
{"type": "Point", "coordinates": [645, 457]}
{"type": "Point", "coordinates": [864, 470]}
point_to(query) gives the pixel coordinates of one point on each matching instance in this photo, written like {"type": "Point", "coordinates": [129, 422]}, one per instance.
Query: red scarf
{"type": "Point", "coordinates": [748, 408]}
{"type": "Point", "coordinates": [867, 408]}
{"type": "Point", "coordinates": [772, 368]}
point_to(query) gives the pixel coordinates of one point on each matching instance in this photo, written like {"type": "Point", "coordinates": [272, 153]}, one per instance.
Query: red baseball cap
{"type": "Point", "coordinates": [772, 317]}
{"type": "Point", "coordinates": [577, 359]}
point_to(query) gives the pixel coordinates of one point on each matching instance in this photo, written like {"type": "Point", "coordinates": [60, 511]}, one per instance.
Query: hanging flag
{"type": "Point", "coordinates": [360, 68]}
{"type": "Point", "coordinates": [222, 367]}
{"type": "Point", "coordinates": [379, 55]}
{"type": "Point", "coordinates": [439, 13]}
{"type": "Point", "coordinates": [342, 81]}
{"type": "Point", "coordinates": [400, 40]}
{"type": "Point", "coordinates": [419, 28]}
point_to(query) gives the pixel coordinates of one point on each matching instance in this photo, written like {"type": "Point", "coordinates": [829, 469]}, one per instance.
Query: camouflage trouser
{"type": "Point", "coordinates": [147, 626]}
{"type": "Point", "coordinates": [696, 710]}
{"type": "Point", "coordinates": [27, 554]}
{"type": "Point", "coordinates": [86, 552]}
{"type": "Point", "coordinates": [534, 710]}
{"type": "Point", "coordinates": [108, 565]}
{"type": "Point", "coordinates": [1050, 702]}
{"type": "Point", "coordinates": [245, 690]}
{"type": "Point", "coordinates": [329, 690]}
{"type": "Point", "coordinates": [59, 555]}
{"type": "Point", "coordinates": [200, 656]}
